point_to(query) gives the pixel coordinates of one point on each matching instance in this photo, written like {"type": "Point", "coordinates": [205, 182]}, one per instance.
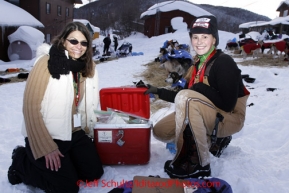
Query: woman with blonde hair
{"type": "Point", "coordinates": [214, 91]}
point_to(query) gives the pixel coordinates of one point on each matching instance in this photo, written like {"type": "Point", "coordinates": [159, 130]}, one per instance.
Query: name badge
{"type": "Point", "coordinates": [77, 120]}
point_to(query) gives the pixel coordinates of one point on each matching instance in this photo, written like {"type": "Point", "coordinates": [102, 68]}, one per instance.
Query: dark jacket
{"type": "Point", "coordinates": [225, 80]}
{"type": "Point", "coordinates": [107, 41]}
{"type": "Point", "coordinates": [115, 41]}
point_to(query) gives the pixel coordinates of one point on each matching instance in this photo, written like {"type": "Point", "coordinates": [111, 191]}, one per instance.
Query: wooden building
{"type": "Point", "coordinates": [53, 14]}
{"type": "Point", "coordinates": [283, 12]}
{"type": "Point", "coordinates": [278, 25]}
{"type": "Point", "coordinates": [11, 18]}
{"type": "Point", "coordinates": [283, 9]}
{"type": "Point", "coordinates": [157, 19]}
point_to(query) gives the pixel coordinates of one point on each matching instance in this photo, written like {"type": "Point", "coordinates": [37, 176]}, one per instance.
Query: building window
{"type": "Point", "coordinates": [48, 8]}
{"type": "Point", "coordinates": [285, 13]}
{"type": "Point", "coordinates": [48, 38]}
{"type": "Point", "coordinates": [167, 30]}
{"type": "Point", "coordinates": [58, 10]}
{"type": "Point", "coordinates": [67, 12]}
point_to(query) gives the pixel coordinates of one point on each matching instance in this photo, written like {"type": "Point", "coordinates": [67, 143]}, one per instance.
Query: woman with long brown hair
{"type": "Point", "coordinates": [60, 97]}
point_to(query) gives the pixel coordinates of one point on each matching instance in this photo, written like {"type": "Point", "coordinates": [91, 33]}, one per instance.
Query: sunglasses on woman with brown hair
{"type": "Point", "coordinates": [75, 42]}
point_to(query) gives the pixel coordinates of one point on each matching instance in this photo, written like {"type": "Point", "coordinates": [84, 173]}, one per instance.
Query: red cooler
{"type": "Point", "coordinates": [125, 144]}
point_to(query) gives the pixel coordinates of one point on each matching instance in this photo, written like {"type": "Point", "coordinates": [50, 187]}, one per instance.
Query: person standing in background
{"type": "Point", "coordinates": [107, 42]}
{"type": "Point", "coordinates": [115, 41]}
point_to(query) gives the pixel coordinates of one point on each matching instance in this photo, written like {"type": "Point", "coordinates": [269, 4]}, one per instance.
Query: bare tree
{"type": "Point", "coordinates": [128, 14]}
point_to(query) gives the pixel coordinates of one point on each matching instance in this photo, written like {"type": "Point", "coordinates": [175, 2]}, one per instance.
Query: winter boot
{"type": "Point", "coordinates": [187, 163]}
{"type": "Point", "coordinates": [221, 144]}
{"type": "Point", "coordinates": [14, 176]}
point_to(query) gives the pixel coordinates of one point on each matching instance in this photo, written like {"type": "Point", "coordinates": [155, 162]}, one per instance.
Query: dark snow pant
{"type": "Point", "coordinates": [105, 49]}
{"type": "Point", "coordinates": [80, 163]}
{"type": "Point", "coordinates": [115, 47]}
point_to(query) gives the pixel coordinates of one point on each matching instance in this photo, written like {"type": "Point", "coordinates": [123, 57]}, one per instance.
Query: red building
{"type": "Point", "coordinates": [157, 19]}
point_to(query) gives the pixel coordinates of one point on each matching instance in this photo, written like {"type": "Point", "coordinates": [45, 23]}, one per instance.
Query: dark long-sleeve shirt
{"type": "Point", "coordinates": [226, 84]}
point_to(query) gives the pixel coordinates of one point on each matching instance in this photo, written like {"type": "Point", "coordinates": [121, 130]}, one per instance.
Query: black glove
{"type": "Point", "coordinates": [151, 89]}
{"type": "Point", "coordinates": [58, 62]}
{"type": "Point", "coordinates": [197, 86]}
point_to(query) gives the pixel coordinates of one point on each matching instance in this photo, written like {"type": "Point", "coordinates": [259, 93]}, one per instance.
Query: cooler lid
{"type": "Point", "coordinates": [127, 99]}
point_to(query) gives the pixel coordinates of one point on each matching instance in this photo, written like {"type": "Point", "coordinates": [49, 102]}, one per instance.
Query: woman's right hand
{"type": "Point", "coordinates": [53, 160]}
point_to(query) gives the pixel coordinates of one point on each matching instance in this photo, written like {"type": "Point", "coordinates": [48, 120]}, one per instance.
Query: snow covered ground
{"type": "Point", "coordinates": [256, 161]}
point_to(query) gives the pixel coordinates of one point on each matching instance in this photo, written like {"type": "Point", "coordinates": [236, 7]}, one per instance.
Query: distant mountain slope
{"type": "Point", "coordinates": [229, 18]}
{"type": "Point", "coordinates": [122, 15]}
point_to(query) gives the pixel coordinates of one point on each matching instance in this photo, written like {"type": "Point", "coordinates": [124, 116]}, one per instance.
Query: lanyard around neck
{"type": "Point", "coordinates": [76, 88]}
{"type": "Point", "coordinates": [200, 73]}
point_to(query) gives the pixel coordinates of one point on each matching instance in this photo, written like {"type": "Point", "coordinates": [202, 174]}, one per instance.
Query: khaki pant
{"type": "Point", "coordinates": [199, 112]}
